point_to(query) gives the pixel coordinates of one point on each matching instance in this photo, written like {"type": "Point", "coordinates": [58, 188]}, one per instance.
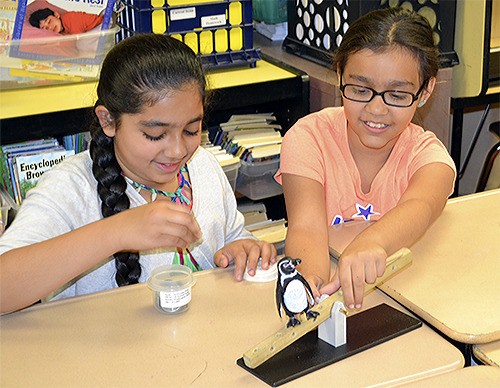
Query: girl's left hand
{"type": "Point", "coordinates": [245, 254]}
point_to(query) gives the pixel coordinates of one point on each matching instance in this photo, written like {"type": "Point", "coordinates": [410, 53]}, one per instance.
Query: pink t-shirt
{"type": "Point", "coordinates": [316, 147]}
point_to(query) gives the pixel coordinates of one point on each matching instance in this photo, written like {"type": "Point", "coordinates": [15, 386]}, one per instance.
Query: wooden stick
{"type": "Point", "coordinates": [284, 337]}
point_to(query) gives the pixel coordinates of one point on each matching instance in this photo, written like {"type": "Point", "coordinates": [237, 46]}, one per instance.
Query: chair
{"type": "Point", "coordinates": [487, 180]}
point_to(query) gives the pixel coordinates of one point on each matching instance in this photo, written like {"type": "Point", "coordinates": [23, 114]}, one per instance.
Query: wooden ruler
{"type": "Point", "coordinates": [284, 337]}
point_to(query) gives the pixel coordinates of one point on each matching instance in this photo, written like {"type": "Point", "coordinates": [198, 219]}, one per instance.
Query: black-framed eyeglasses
{"type": "Point", "coordinates": [395, 98]}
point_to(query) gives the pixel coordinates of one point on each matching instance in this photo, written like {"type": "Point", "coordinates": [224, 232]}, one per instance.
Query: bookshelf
{"type": "Point", "coordinates": [56, 110]}
{"type": "Point", "coordinates": [65, 109]}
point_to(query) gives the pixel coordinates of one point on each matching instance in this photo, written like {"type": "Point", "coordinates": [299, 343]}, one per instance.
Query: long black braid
{"type": "Point", "coordinates": [138, 71]}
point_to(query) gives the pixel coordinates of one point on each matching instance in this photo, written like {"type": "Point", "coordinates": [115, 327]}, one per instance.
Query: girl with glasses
{"type": "Point", "coordinates": [366, 161]}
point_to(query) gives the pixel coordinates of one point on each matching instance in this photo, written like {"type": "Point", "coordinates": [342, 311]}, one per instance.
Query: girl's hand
{"type": "Point", "coordinates": [243, 253]}
{"type": "Point", "coordinates": [316, 284]}
{"type": "Point", "coordinates": [356, 266]}
{"type": "Point", "coordinates": [157, 224]}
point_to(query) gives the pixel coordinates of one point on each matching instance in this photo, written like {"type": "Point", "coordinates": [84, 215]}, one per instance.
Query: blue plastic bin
{"type": "Point", "coordinates": [220, 31]}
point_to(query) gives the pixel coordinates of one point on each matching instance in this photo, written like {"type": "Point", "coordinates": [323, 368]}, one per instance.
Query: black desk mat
{"type": "Point", "coordinates": [309, 353]}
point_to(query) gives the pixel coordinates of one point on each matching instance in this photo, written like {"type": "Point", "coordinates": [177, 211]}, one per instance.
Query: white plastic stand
{"type": "Point", "coordinates": [334, 329]}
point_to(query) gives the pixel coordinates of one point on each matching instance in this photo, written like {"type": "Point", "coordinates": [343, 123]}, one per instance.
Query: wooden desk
{"type": "Point", "coordinates": [118, 338]}
{"type": "Point", "coordinates": [454, 281]}
{"type": "Point", "coordinates": [474, 376]}
{"type": "Point", "coordinates": [488, 354]}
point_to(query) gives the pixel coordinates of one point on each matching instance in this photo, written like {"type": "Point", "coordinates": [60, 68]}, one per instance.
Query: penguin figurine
{"type": "Point", "coordinates": [293, 293]}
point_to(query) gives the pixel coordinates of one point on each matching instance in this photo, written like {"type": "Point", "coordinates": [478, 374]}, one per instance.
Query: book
{"type": "Point", "coordinates": [78, 142]}
{"type": "Point", "coordinates": [23, 164]}
{"type": "Point", "coordinates": [7, 152]}
{"type": "Point", "coordinates": [30, 167]}
{"type": "Point", "coordinates": [72, 33]}
{"type": "Point", "coordinates": [253, 217]}
{"type": "Point", "coordinates": [241, 135]}
{"type": "Point", "coordinates": [262, 152]}
{"type": "Point", "coordinates": [272, 231]}
{"type": "Point", "coordinates": [8, 10]}
{"type": "Point", "coordinates": [253, 116]}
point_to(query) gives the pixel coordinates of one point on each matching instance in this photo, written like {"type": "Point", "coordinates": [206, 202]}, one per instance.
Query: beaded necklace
{"type": "Point", "coordinates": [181, 195]}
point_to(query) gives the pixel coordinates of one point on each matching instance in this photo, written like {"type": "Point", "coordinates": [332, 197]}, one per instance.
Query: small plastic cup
{"type": "Point", "coordinates": [171, 286]}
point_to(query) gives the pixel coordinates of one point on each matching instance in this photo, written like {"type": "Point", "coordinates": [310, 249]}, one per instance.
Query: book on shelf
{"type": "Point", "coordinates": [253, 217]}
{"type": "Point", "coordinates": [57, 40]}
{"type": "Point", "coordinates": [257, 223]}
{"type": "Point", "coordinates": [6, 153]}
{"type": "Point", "coordinates": [238, 125]}
{"type": "Point", "coordinates": [252, 116]}
{"type": "Point", "coordinates": [251, 137]}
{"type": "Point", "coordinates": [30, 167]}
{"type": "Point", "coordinates": [77, 142]}
{"type": "Point", "coordinates": [24, 163]}
{"type": "Point", "coordinates": [8, 10]}
{"type": "Point", "coordinates": [49, 26]}
{"type": "Point", "coordinates": [265, 151]}
{"type": "Point", "coordinates": [251, 206]}
{"type": "Point", "coordinates": [272, 231]}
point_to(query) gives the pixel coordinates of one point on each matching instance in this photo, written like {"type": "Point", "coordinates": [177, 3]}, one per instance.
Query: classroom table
{"type": "Point", "coordinates": [117, 338]}
{"type": "Point", "coordinates": [454, 280]}
{"type": "Point", "coordinates": [474, 376]}
{"type": "Point", "coordinates": [488, 354]}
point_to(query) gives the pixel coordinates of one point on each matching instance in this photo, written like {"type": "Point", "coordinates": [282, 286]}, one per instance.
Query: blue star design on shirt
{"type": "Point", "coordinates": [365, 212]}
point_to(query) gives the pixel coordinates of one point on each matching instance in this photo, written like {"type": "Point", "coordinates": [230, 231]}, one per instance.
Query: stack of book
{"type": "Point", "coordinates": [257, 223]}
{"type": "Point", "coordinates": [22, 164]}
{"type": "Point", "coordinates": [256, 140]}
{"type": "Point", "coordinates": [250, 137]}
{"type": "Point", "coordinates": [229, 163]}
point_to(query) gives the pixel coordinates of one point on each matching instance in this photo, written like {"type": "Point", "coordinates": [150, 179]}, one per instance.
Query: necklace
{"type": "Point", "coordinates": [181, 195]}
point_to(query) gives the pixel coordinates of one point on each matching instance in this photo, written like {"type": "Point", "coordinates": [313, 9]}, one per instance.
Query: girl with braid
{"type": "Point", "coordinates": [144, 195]}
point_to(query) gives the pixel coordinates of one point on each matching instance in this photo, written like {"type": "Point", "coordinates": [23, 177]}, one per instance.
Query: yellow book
{"type": "Point", "coordinates": [272, 234]}
{"type": "Point", "coordinates": [45, 76]}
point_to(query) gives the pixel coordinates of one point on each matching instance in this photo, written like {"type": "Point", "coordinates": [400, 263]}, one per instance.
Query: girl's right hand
{"type": "Point", "coordinates": [157, 224]}
{"type": "Point", "coordinates": [316, 283]}
{"type": "Point", "coordinates": [360, 263]}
